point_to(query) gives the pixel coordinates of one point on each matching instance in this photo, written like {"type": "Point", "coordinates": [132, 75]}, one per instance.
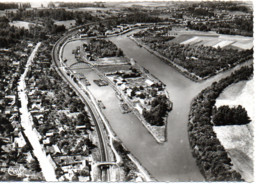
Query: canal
{"type": "Point", "coordinates": [172, 160]}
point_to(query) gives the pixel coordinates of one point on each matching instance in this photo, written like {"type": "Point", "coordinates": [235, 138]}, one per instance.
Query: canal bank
{"type": "Point", "coordinates": [172, 160]}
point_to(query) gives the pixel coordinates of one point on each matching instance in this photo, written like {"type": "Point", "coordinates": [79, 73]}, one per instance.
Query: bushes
{"type": "Point", "coordinates": [225, 115]}
{"type": "Point", "coordinates": [211, 157]}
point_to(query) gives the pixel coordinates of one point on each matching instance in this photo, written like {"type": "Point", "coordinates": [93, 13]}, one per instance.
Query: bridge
{"type": "Point", "coordinates": [79, 65]}
{"type": "Point", "coordinates": [98, 164]}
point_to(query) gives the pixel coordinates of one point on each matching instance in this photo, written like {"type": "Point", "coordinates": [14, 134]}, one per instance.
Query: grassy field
{"type": "Point", "coordinates": [238, 139]}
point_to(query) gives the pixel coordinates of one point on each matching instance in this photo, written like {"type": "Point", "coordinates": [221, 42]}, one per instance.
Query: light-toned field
{"type": "Point", "coordinates": [21, 24]}
{"type": "Point", "coordinates": [111, 61]}
{"type": "Point", "coordinates": [2, 13]}
{"type": "Point", "coordinates": [108, 69]}
{"type": "Point", "coordinates": [212, 39]}
{"type": "Point", "coordinates": [238, 139]}
{"type": "Point", "coordinates": [67, 23]}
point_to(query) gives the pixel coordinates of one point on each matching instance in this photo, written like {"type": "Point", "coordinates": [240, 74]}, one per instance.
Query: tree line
{"type": "Point", "coordinates": [81, 5]}
{"type": "Point", "coordinates": [204, 61]}
{"type": "Point", "coordinates": [5, 6]}
{"type": "Point", "coordinates": [211, 156]}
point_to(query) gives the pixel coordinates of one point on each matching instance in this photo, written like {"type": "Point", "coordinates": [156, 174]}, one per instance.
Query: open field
{"type": "Point", "coordinates": [212, 39]}
{"type": "Point", "coordinates": [238, 139]}
{"type": "Point", "coordinates": [221, 41]}
{"type": "Point", "coordinates": [21, 24]}
{"type": "Point", "coordinates": [67, 23]}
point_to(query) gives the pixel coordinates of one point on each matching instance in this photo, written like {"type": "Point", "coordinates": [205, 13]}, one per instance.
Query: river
{"type": "Point", "coordinates": [172, 160]}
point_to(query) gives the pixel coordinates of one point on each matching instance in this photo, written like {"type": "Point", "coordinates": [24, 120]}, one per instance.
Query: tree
{"type": "Point", "coordinates": [225, 115]}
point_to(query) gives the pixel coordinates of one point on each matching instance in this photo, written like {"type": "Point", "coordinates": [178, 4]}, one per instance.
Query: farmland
{"type": "Point", "coordinates": [196, 54]}
{"type": "Point", "coordinates": [239, 150]}
{"type": "Point", "coordinates": [211, 39]}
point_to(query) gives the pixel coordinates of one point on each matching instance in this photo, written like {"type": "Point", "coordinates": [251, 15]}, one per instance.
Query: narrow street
{"type": "Point", "coordinates": [27, 123]}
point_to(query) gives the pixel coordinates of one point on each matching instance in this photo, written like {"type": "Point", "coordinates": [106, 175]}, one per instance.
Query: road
{"type": "Point", "coordinates": [48, 170]}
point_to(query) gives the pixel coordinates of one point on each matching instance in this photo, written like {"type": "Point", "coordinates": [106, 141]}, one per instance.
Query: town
{"type": "Point", "coordinates": [129, 91]}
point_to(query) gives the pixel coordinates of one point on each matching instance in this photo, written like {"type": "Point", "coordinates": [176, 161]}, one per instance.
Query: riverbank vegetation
{"type": "Point", "coordinates": [211, 157]}
{"type": "Point", "coordinates": [203, 61]}
{"type": "Point", "coordinates": [130, 169]}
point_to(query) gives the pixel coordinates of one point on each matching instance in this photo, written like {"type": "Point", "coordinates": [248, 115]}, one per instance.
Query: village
{"type": "Point", "coordinates": [18, 161]}
{"type": "Point", "coordinates": [82, 83]}
{"type": "Point", "coordinates": [65, 129]}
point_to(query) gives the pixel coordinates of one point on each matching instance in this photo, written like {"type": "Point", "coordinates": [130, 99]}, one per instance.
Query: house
{"type": "Point", "coordinates": [46, 141]}
{"type": "Point", "coordinates": [8, 110]}
{"type": "Point", "coordinates": [20, 141]}
{"type": "Point", "coordinates": [81, 127]}
{"type": "Point", "coordinates": [30, 45]}
{"type": "Point", "coordinates": [16, 63]}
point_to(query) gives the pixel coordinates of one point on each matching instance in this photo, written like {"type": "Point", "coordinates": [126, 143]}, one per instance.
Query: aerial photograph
{"type": "Point", "coordinates": [127, 91]}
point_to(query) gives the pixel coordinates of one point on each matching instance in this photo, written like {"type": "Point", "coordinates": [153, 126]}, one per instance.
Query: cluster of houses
{"type": "Point", "coordinates": [140, 90]}
{"type": "Point", "coordinates": [123, 28]}
{"type": "Point", "coordinates": [61, 141]}
{"type": "Point", "coordinates": [16, 154]}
